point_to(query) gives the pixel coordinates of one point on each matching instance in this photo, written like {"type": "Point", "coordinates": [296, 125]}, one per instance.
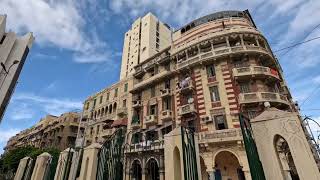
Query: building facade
{"type": "Point", "coordinates": [51, 131]}
{"type": "Point", "coordinates": [13, 53]}
{"type": "Point", "coordinates": [146, 37]}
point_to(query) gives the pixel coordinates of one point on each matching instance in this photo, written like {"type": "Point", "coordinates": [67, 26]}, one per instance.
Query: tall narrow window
{"type": "Point", "coordinates": [94, 102]}
{"type": "Point", "coordinates": [167, 84]}
{"type": "Point", "coordinates": [167, 104]}
{"type": "Point", "coordinates": [116, 92]}
{"type": "Point", "coordinates": [211, 71]}
{"type": "Point", "coordinates": [108, 96]}
{"type": "Point", "coordinates": [153, 110]}
{"type": "Point", "coordinates": [244, 87]}
{"type": "Point", "coordinates": [220, 122]}
{"type": "Point", "coordinates": [214, 93]}
{"type": "Point", "coordinates": [153, 91]}
{"type": "Point", "coordinates": [124, 103]}
{"type": "Point", "coordinates": [126, 87]}
{"type": "Point", "coordinates": [101, 97]}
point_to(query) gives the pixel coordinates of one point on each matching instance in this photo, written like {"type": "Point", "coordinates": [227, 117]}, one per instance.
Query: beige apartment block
{"type": "Point", "coordinates": [107, 110]}
{"type": "Point", "coordinates": [146, 37]}
{"type": "Point", "coordinates": [51, 131]}
{"type": "Point", "coordinates": [13, 53]}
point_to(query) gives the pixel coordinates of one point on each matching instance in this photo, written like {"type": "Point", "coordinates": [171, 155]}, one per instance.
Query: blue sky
{"type": "Point", "coordinates": [78, 46]}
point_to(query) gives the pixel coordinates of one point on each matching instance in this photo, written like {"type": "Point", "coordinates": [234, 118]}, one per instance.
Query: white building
{"type": "Point", "coordinates": [146, 37]}
{"type": "Point", "coordinates": [13, 53]}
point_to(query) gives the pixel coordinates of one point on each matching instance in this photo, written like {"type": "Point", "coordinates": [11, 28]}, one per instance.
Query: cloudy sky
{"type": "Point", "coordinates": [79, 42]}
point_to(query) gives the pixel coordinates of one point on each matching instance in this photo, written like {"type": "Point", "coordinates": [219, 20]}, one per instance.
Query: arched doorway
{"type": "Point", "coordinates": [227, 167]}
{"type": "Point", "coordinates": [136, 170]}
{"type": "Point", "coordinates": [285, 159]}
{"type": "Point", "coordinates": [152, 170]}
{"type": "Point", "coordinates": [177, 164]}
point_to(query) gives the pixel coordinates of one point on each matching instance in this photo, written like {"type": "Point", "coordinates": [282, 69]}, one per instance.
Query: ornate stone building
{"type": "Point", "coordinates": [51, 131]}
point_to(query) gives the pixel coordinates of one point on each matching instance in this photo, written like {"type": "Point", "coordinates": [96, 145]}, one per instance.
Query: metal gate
{"type": "Point", "coordinates": [110, 162]}
{"type": "Point", "coordinates": [189, 154]}
{"type": "Point", "coordinates": [255, 164]}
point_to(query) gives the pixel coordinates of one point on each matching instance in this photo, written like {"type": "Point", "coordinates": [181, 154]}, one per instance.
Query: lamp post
{"type": "Point", "coordinates": [6, 71]}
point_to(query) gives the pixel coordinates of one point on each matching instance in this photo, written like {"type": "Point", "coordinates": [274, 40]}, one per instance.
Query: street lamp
{"type": "Point", "coordinates": [4, 67]}
{"type": "Point", "coordinates": [7, 71]}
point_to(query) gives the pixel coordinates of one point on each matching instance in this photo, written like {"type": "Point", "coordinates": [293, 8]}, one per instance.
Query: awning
{"type": "Point", "coordinates": [120, 122]}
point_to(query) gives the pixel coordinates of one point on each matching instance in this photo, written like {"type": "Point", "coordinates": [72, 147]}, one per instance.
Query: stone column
{"type": "Point", "coordinates": [41, 166]}
{"type": "Point", "coordinates": [143, 168]}
{"type": "Point", "coordinates": [242, 42]}
{"type": "Point", "coordinates": [23, 165]}
{"type": "Point", "coordinates": [90, 162]}
{"type": "Point", "coordinates": [211, 173]}
{"type": "Point", "coordinates": [62, 164]}
{"type": "Point", "coordinates": [258, 44]}
{"type": "Point", "coordinates": [227, 40]}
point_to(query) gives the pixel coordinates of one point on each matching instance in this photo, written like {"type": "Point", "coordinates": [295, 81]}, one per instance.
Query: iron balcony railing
{"type": "Point", "coordinates": [253, 97]}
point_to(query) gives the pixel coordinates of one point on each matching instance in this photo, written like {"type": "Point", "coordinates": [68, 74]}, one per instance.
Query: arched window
{"type": "Point", "coordinates": [285, 158]}
{"type": "Point", "coordinates": [106, 112]}
{"type": "Point", "coordinates": [114, 107]}
{"type": "Point", "coordinates": [110, 108]}
{"type": "Point", "coordinates": [102, 112]}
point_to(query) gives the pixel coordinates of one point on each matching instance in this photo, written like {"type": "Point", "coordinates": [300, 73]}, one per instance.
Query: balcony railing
{"type": "Point", "coordinates": [262, 97]}
{"type": "Point", "coordinates": [216, 136]}
{"type": "Point", "coordinates": [222, 51]}
{"type": "Point", "coordinates": [187, 109]}
{"type": "Point", "coordinates": [136, 103]}
{"type": "Point", "coordinates": [145, 146]}
{"type": "Point", "coordinates": [145, 82]}
{"type": "Point", "coordinates": [135, 123]}
{"type": "Point", "coordinates": [186, 86]}
{"type": "Point", "coordinates": [255, 70]}
{"type": "Point", "coordinates": [122, 111]}
{"type": "Point", "coordinates": [165, 92]}
{"type": "Point", "coordinates": [166, 115]}
{"type": "Point", "coordinates": [151, 119]}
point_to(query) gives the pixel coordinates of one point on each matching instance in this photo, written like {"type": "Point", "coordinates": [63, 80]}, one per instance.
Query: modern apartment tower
{"type": "Point", "coordinates": [146, 37]}
{"type": "Point", "coordinates": [13, 53]}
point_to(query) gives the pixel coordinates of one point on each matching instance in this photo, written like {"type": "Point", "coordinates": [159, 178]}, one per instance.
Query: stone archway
{"type": "Point", "coordinates": [136, 170]}
{"type": "Point", "coordinates": [284, 156]}
{"type": "Point", "coordinates": [152, 170]}
{"type": "Point", "coordinates": [227, 167]}
{"type": "Point", "coordinates": [177, 164]}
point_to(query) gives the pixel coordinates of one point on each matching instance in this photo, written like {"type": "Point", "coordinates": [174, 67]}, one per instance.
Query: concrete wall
{"type": "Point", "coordinates": [41, 166]}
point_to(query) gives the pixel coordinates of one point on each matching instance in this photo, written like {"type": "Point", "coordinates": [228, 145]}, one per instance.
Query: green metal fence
{"type": "Point", "coordinates": [110, 157]}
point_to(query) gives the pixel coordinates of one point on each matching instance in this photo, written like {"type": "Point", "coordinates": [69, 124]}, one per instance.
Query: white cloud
{"type": "Point", "coordinates": [49, 105]}
{"type": "Point", "coordinates": [22, 112]}
{"type": "Point", "coordinates": [5, 134]}
{"type": "Point", "coordinates": [316, 79]}
{"type": "Point", "coordinates": [54, 23]}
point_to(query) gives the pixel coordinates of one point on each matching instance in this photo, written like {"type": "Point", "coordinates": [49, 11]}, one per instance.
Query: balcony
{"type": "Point", "coordinates": [145, 146]}
{"type": "Point", "coordinates": [187, 109]}
{"type": "Point", "coordinates": [216, 136]}
{"type": "Point", "coordinates": [139, 72]}
{"type": "Point", "coordinates": [136, 103]}
{"type": "Point", "coordinates": [106, 132]}
{"type": "Point", "coordinates": [255, 71]}
{"type": "Point", "coordinates": [165, 92]}
{"type": "Point", "coordinates": [163, 59]}
{"type": "Point", "coordinates": [166, 115]}
{"type": "Point", "coordinates": [255, 97]}
{"type": "Point", "coordinates": [220, 52]}
{"type": "Point", "coordinates": [144, 83]}
{"type": "Point", "coordinates": [186, 86]}
{"type": "Point", "coordinates": [122, 111]}
{"type": "Point", "coordinates": [135, 123]}
{"type": "Point", "coordinates": [151, 119]}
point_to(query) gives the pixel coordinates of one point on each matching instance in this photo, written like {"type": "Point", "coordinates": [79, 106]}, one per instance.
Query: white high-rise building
{"type": "Point", "coordinates": [147, 37]}
{"type": "Point", "coordinates": [13, 53]}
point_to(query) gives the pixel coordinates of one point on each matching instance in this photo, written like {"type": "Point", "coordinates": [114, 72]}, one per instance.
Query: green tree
{"type": "Point", "coordinates": [10, 160]}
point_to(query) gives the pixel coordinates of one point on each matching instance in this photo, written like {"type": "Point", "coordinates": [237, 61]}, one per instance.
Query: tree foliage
{"type": "Point", "coordinates": [10, 160]}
